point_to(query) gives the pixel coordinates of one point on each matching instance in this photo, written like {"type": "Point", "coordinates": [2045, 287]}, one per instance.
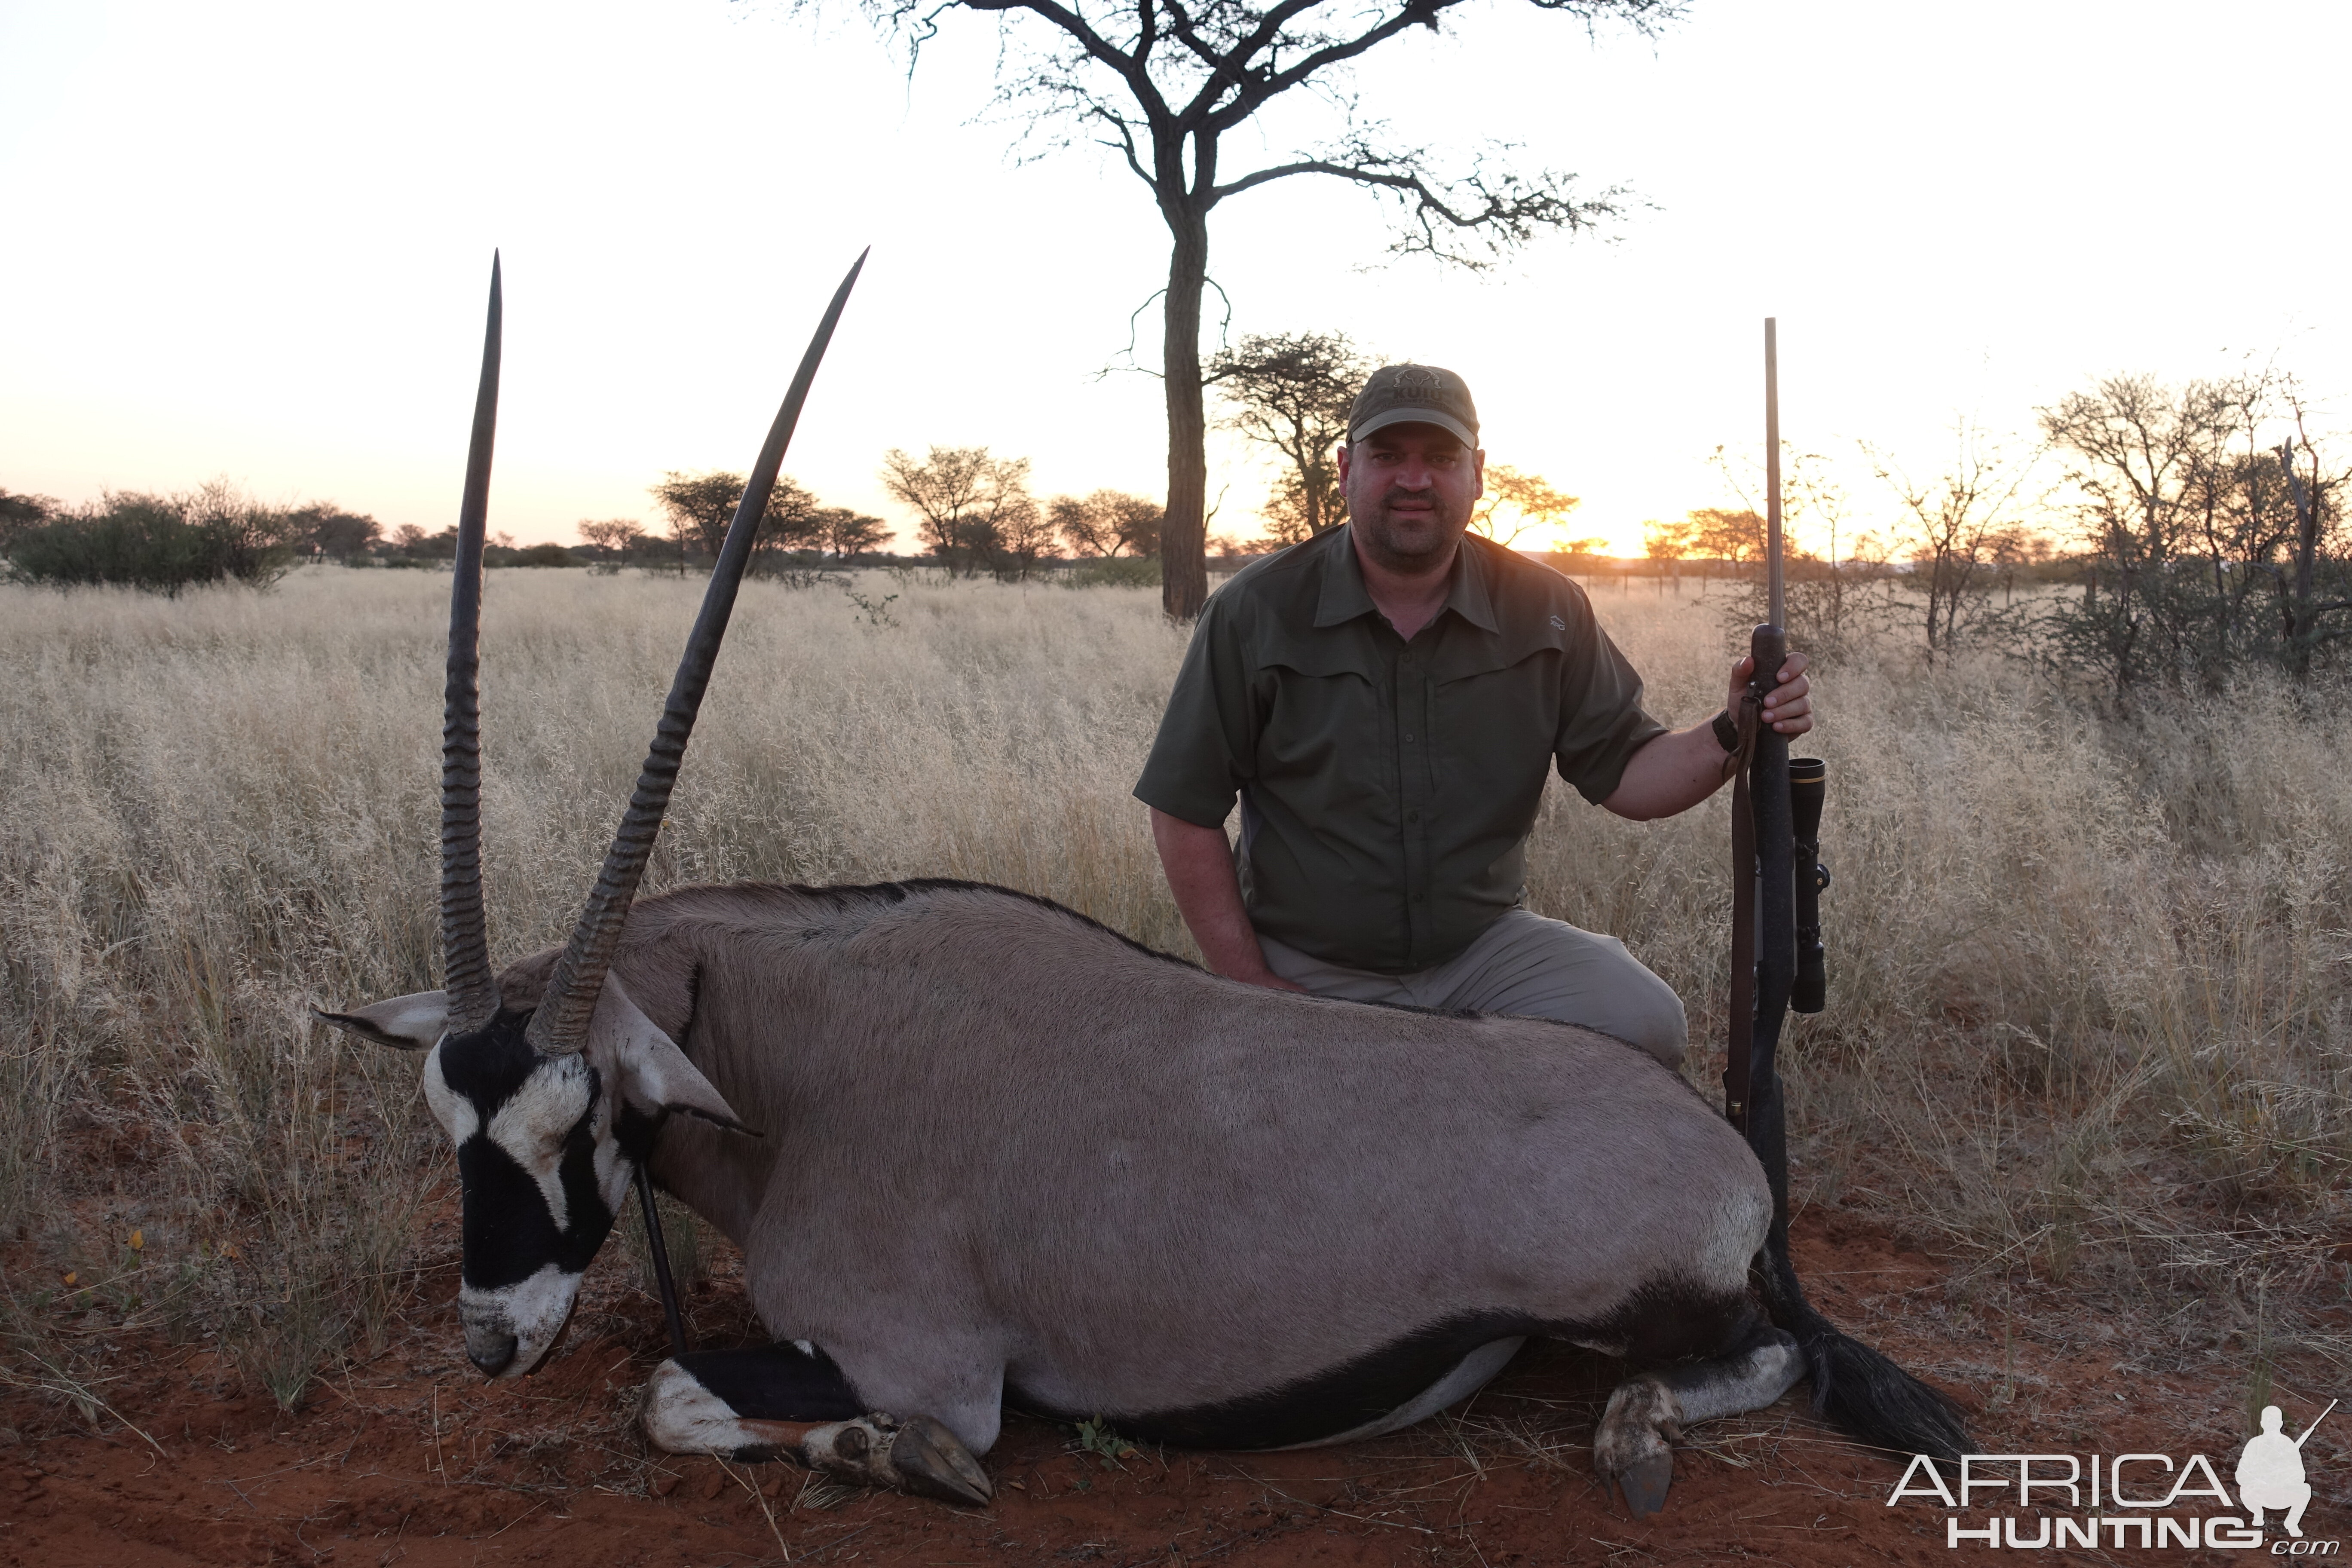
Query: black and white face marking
{"type": "Point", "coordinates": [542, 1172]}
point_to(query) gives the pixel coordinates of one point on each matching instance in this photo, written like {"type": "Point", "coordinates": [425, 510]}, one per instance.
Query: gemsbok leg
{"type": "Point", "coordinates": [1648, 1411]}
{"type": "Point", "coordinates": [790, 1402]}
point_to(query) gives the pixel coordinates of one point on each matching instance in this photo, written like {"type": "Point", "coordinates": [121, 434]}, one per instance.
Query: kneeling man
{"type": "Point", "coordinates": [1385, 700]}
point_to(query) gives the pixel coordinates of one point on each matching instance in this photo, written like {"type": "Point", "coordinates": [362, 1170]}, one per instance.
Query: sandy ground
{"type": "Point", "coordinates": [408, 1458]}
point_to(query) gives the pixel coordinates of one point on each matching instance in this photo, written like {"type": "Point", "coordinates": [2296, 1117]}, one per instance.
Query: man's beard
{"type": "Point", "coordinates": [1413, 541]}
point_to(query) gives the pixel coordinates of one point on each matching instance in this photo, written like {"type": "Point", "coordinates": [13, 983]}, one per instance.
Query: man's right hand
{"type": "Point", "coordinates": [1199, 864]}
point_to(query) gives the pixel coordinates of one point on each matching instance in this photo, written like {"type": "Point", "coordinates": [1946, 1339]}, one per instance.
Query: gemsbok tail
{"type": "Point", "coordinates": [1853, 1386]}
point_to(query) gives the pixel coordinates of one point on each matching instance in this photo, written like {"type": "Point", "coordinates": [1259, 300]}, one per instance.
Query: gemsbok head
{"type": "Point", "coordinates": [554, 1109]}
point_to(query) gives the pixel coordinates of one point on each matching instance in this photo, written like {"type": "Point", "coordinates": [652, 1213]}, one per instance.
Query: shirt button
{"type": "Point", "coordinates": [1408, 734]}
{"type": "Point", "coordinates": [1412, 816]}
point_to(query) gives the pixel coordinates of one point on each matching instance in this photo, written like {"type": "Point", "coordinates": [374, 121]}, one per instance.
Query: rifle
{"type": "Point", "coordinates": [2315, 1425]}
{"type": "Point", "coordinates": [1776, 965]}
{"type": "Point", "coordinates": [1778, 962]}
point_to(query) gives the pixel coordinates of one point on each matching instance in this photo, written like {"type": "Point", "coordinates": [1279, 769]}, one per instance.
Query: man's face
{"type": "Point", "coordinates": [1410, 489]}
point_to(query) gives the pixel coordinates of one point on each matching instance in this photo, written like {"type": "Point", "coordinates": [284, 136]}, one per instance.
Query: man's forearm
{"type": "Point", "coordinates": [1199, 864]}
{"type": "Point", "coordinates": [1672, 773]}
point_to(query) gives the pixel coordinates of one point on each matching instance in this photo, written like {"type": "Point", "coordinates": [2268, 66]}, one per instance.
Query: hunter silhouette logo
{"type": "Point", "coordinates": [2143, 1501]}
{"type": "Point", "coordinates": [2270, 1472]}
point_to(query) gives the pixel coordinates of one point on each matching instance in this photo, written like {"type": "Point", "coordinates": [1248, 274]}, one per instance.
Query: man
{"type": "Point", "coordinates": [1385, 699]}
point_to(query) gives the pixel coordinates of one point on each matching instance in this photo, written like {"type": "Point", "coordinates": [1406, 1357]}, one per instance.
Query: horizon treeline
{"type": "Point", "coordinates": [2178, 532]}
{"type": "Point", "coordinates": [973, 514]}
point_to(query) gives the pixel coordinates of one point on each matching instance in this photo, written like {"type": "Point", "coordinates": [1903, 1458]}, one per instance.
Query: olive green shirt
{"type": "Point", "coordinates": [1387, 787]}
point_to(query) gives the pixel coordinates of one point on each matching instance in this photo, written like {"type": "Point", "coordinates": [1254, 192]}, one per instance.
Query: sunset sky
{"type": "Point", "coordinates": [251, 239]}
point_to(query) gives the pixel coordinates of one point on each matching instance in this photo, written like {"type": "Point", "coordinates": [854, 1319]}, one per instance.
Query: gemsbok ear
{"type": "Point", "coordinates": [408, 1022]}
{"type": "Point", "coordinates": [654, 1075]}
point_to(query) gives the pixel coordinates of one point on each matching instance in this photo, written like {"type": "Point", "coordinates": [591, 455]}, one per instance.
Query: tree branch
{"type": "Point", "coordinates": [1125, 145]}
{"type": "Point", "coordinates": [1252, 89]}
{"type": "Point", "coordinates": [1505, 212]}
{"type": "Point", "coordinates": [1097, 47]}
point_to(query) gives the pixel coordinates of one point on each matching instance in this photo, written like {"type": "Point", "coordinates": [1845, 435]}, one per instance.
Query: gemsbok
{"type": "Point", "coordinates": [978, 1150]}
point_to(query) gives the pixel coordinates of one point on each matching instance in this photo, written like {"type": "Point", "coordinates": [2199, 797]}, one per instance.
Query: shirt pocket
{"type": "Point", "coordinates": [1327, 745]}
{"type": "Point", "coordinates": [1494, 728]}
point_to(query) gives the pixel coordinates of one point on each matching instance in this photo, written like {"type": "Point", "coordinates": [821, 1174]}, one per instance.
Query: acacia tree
{"type": "Point", "coordinates": [1163, 84]}
{"type": "Point", "coordinates": [2308, 618]}
{"type": "Point", "coordinates": [849, 533]}
{"type": "Point", "coordinates": [700, 506]}
{"type": "Point", "coordinates": [1108, 523]}
{"type": "Point", "coordinates": [615, 540]}
{"type": "Point", "coordinates": [1961, 522]}
{"type": "Point", "coordinates": [970, 507]}
{"type": "Point", "coordinates": [1292, 392]}
{"type": "Point", "coordinates": [323, 528]}
{"type": "Point", "coordinates": [2206, 545]}
{"type": "Point", "coordinates": [1667, 544]}
{"type": "Point", "coordinates": [1735, 538]}
{"type": "Point", "coordinates": [1530, 500]}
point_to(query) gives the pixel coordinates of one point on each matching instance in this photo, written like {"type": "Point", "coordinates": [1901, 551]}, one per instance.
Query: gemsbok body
{"type": "Point", "coordinates": [981, 1152]}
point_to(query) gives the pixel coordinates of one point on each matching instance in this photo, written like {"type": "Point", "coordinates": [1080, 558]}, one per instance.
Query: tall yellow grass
{"type": "Point", "coordinates": [2091, 1011]}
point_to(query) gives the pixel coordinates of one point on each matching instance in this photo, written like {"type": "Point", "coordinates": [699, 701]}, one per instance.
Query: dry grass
{"type": "Point", "coordinates": [2092, 997]}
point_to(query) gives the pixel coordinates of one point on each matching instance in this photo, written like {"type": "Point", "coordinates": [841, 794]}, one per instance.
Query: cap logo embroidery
{"type": "Point", "coordinates": [1558, 624]}
{"type": "Point", "coordinates": [1414, 385]}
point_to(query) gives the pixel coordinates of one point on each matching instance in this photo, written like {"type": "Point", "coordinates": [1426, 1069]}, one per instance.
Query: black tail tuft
{"type": "Point", "coordinates": [1856, 1386]}
{"type": "Point", "coordinates": [1879, 1403]}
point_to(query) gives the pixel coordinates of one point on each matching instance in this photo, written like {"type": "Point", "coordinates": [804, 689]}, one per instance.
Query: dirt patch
{"type": "Point", "coordinates": [409, 1458]}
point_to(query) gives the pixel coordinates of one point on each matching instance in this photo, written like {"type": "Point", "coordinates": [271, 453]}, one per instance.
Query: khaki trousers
{"type": "Point", "coordinates": [1523, 965]}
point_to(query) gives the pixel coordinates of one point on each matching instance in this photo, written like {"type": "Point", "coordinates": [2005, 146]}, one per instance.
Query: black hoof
{"type": "Point", "coordinates": [932, 1462]}
{"type": "Point", "coordinates": [1645, 1484]}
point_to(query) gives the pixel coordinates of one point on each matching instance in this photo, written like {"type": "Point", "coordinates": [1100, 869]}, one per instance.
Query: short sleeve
{"type": "Point", "coordinates": [1601, 722]}
{"type": "Point", "coordinates": [1203, 755]}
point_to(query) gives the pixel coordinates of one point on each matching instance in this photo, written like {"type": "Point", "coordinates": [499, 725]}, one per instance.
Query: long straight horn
{"type": "Point", "coordinates": [562, 1022]}
{"type": "Point", "coordinates": [465, 936]}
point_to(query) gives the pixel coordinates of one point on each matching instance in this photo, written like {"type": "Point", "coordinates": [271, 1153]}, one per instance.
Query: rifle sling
{"type": "Point", "coordinates": [1740, 1026]}
{"type": "Point", "coordinates": [657, 1246]}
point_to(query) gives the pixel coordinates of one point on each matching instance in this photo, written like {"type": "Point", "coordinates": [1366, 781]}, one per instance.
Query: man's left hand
{"type": "Point", "coordinates": [1788, 707]}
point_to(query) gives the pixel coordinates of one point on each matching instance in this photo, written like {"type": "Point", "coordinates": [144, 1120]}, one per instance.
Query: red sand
{"type": "Point", "coordinates": [410, 1458]}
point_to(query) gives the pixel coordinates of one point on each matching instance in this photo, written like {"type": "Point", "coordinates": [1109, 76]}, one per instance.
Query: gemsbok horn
{"type": "Point", "coordinates": [561, 1020]}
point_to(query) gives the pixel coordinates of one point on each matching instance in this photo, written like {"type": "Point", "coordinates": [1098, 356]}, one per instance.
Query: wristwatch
{"type": "Point", "coordinates": [1727, 733]}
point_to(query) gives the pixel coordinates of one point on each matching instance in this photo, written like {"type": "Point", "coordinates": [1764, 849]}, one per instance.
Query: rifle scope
{"type": "Point", "coordinates": [1807, 786]}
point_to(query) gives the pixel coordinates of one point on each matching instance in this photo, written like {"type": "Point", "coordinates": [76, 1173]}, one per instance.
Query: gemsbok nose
{"type": "Point", "coordinates": [492, 1350]}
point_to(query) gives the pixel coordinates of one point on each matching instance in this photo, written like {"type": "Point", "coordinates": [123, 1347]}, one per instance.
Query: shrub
{"type": "Point", "coordinates": [160, 544]}
{"type": "Point", "coordinates": [1117, 571]}
{"type": "Point", "coordinates": [545, 555]}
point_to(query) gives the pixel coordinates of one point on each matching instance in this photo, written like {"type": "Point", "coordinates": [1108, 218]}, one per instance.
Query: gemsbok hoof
{"type": "Point", "coordinates": [1631, 1448]}
{"type": "Point", "coordinates": [917, 1455]}
{"type": "Point", "coordinates": [1645, 1483]}
{"type": "Point", "coordinates": [931, 1460]}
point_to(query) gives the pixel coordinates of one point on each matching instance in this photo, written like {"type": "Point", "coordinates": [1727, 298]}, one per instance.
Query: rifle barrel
{"type": "Point", "coordinates": [1778, 615]}
{"type": "Point", "coordinates": [2315, 1425]}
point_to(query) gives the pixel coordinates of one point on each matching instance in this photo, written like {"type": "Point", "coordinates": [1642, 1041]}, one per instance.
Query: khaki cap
{"type": "Point", "coordinates": [1415, 394]}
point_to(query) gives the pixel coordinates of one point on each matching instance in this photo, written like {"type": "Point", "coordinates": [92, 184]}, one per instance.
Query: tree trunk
{"type": "Point", "coordinates": [1183, 569]}
{"type": "Point", "coordinates": [2302, 619]}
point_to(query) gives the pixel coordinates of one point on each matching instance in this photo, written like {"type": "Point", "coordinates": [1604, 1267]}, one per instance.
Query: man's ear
{"type": "Point", "coordinates": [408, 1022]}
{"type": "Point", "coordinates": [653, 1073]}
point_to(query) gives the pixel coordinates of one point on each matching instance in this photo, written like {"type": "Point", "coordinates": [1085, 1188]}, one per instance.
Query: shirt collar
{"type": "Point", "coordinates": [1344, 597]}
{"type": "Point", "coordinates": [1470, 596]}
